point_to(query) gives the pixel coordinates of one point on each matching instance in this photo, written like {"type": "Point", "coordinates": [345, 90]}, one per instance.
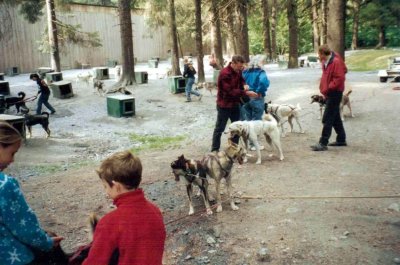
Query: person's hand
{"type": "Point", "coordinates": [251, 94]}
{"type": "Point", "coordinates": [246, 87]}
{"type": "Point", "coordinates": [57, 240]}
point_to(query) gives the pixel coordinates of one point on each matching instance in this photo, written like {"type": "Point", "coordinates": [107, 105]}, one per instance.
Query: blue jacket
{"type": "Point", "coordinates": [19, 226]}
{"type": "Point", "coordinates": [257, 80]}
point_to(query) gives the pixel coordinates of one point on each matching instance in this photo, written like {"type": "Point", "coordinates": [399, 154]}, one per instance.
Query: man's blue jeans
{"type": "Point", "coordinates": [254, 109]}
{"type": "Point", "coordinates": [44, 99]}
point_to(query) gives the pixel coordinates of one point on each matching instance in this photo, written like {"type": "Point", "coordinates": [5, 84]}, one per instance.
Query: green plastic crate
{"type": "Point", "coordinates": [121, 106]}
{"type": "Point", "coordinates": [42, 71]}
{"type": "Point", "coordinates": [4, 88]}
{"type": "Point", "coordinates": [153, 63]}
{"type": "Point", "coordinates": [12, 71]}
{"type": "Point", "coordinates": [176, 84]}
{"type": "Point", "coordinates": [17, 122]}
{"type": "Point", "coordinates": [112, 63]}
{"type": "Point", "coordinates": [141, 77]}
{"type": "Point", "coordinates": [2, 76]}
{"type": "Point", "coordinates": [62, 89]}
{"type": "Point", "coordinates": [101, 73]}
{"type": "Point", "coordinates": [53, 77]}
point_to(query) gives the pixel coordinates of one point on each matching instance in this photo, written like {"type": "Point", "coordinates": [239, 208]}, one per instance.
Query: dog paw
{"type": "Point", "coordinates": [209, 212]}
{"type": "Point", "coordinates": [234, 207]}
{"type": "Point", "coordinates": [191, 212]}
{"type": "Point", "coordinates": [258, 162]}
{"type": "Point", "coordinates": [281, 158]}
{"type": "Point", "coordinates": [219, 208]}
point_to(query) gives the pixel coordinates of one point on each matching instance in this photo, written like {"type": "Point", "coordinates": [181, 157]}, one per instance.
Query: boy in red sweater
{"type": "Point", "coordinates": [135, 229]}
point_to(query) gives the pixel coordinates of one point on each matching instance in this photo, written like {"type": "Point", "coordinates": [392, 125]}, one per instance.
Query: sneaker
{"type": "Point", "coordinates": [188, 100]}
{"type": "Point", "coordinates": [319, 147]}
{"type": "Point", "coordinates": [200, 97]}
{"type": "Point", "coordinates": [338, 144]}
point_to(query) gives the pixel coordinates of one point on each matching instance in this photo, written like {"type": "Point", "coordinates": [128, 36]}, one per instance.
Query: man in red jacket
{"type": "Point", "coordinates": [135, 230]}
{"type": "Point", "coordinates": [331, 87]}
{"type": "Point", "coordinates": [230, 90]}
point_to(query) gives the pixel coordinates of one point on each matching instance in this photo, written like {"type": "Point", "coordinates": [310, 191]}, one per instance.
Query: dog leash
{"type": "Point", "coordinates": [26, 100]}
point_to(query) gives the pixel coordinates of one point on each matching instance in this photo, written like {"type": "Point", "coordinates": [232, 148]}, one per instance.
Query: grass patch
{"type": "Point", "coordinates": [47, 169]}
{"type": "Point", "coordinates": [369, 60]}
{"type": "Point", "coordinates": [148, 142]}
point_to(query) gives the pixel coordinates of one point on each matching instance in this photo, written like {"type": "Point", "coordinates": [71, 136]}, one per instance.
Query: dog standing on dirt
{"type": "Point", "coordinates": [322, 102]}
{"type": "Point", "coordinates": [219, 166]}
{"type": "Point", "coordinates": [18, 102]}
{"type": "Point", "coordinates": [282, 112]}
{"type": "Point", "coordinates": [31, 120]}
{"type": "Point", "coordinates": [250, 130]}
{"type": "Point", "coordinates": [98, 85]}
{"type": "Point", "coordinates": [189, 169]}
{"type": "Point", "coordinates": [84, 77]}
{"type": "Point", "coordinates": [207, 85]}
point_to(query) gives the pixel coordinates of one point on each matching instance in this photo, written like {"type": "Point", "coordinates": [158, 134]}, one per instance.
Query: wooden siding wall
{"type": "Point", "coordinates": [21, 49]}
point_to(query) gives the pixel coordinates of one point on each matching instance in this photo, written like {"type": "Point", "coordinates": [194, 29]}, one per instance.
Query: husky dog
{"type": "Point", "coordinates": [31, 120]}
{"type": "Point", "coordinates": [250, 130]}
{"type": "Point", "coordinates": [189, 169]}
{"type": "Point", "coordinates": [84, 77]}
{"type": "Point", "coordinates": [322, 102]}
{"type": "Point", "coordinates": [285, 111]}
{"type": "Point", "coordinates": [219, 166]}
{"type": "Point", "coordinates": [18, 102]}
{"type": "Point", "coordinates": [207, 85]}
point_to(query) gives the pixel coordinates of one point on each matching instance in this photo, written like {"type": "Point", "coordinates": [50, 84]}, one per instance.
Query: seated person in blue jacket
{"type": "Point", "coordinates": [20, 233]}
{"type": "Point", "coordinates": [256, 79]}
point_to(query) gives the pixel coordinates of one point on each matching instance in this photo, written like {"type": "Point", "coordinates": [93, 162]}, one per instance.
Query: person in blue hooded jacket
{"type": "Point", "coordinates": [257, 80]}
{"type": "Point", "coordinates": [20, 233]}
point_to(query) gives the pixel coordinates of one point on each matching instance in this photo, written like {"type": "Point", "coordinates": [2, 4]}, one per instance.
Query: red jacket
{"type": "Point", "coordinates": [333, 75]}
{"type": "Point", "coordinates": [230, 87]}
{"type": "Point", "coordinates": [135, 228]}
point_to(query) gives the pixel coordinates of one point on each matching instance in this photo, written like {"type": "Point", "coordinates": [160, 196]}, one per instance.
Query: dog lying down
{"type": "Point", "coordinates": [284, 111]}
{"type": "Point", "coordinates": [345, 102]}
{"type": "Point", "coordinates": [99, 87]}
{"type": "Point", "coordinates": [250, 130]}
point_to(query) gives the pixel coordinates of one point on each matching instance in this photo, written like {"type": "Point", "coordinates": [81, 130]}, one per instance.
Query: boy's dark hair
{"type": "Point", "coordinates": [122, 167]}
{"type": "Point", "coordinates": [33, 75]}
{"type": "Point", "coordinates": [237, 59]}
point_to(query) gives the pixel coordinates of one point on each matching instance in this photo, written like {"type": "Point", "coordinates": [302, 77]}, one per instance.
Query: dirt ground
{"type": "Point", "coordinates": [339, 207]}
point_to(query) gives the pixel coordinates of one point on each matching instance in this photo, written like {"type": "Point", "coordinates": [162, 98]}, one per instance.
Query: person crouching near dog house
{"type": "Point", "coordinates": [136, 228]}
{"type": "Point", "coordinates": [189, 73]}
{"type": "Point", "coordinates": [43, 94]}
{"type": "Point", "coordinates": [22, 239]}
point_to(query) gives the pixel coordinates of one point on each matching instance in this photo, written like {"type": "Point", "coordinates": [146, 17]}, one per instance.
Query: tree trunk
{"type": "Point", "coordinates": [199, 42]}
{"type": "Point", "coordinates": [324, 10]}
{"type": "Point", "coordinates": [266, 28]}
{"type": "Point", "coordinates": [128, 63]}
{"type": "Point", "coordinates": [230, 17]}
{"type": "Point", "coordinates": [216, 33]}
{"type": "Point", "coordinates": [273, 28]}
{"type": "Point", "coordinates": [175, 53]}
{"type": "Point", "coordinates": [356, 16]}
{"type": "Point", "coordinates": [293, 29]}
{"type": "Point", "coordinates": [243, 31]}
{"type": "Point", "coordinates": [316, 37]}
{"type": "Point", "coordinates": [53, 38]}
{"type": "Point", "coordinates": [336, 26]}
{"type": "Point", "coordinates": [382, 37]}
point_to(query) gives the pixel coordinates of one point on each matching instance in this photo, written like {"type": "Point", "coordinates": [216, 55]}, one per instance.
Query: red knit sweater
{"type": "Point", "coordinates": [135, 228]}
{"type": "Point", "coordinates": [333, 75]}
{"type": "Point", "coordinates": [230, 87]}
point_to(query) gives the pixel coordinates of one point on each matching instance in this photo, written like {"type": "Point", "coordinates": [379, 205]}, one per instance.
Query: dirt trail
{"type": "Point", "coordinates": [315, 208]}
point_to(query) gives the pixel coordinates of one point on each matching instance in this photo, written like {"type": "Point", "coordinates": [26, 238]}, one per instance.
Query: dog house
{"type": "Point", "coordinates": [176, 84]}
{"type": "Point", "coordinates": [101, 73]}
{"type": "Point", "coordinates": [112, 63]}
{"type": "Point", "coordinates": [12, 71]}
{"type": "Point", "coordinates": [42, 71]}
{"type": "Point", "coordinates": [62, 89]}
{"type": "Point", "coordinates": [2, 76]}
{"type": "Point", "coordinates": [4, 88]}
{"type": "Point", "coordinates": [52, 77]}
{"type": "Point", "coordinates": [141, 77]}
{"type": "Point", "coordinates": [153, 63]}
{"type": "Point", "coordinates": [17, 122]}
{"type": "Point", "coordinates": [121, 106]}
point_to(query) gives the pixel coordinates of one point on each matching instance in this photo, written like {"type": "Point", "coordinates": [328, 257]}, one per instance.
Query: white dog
{"type": "Point", "coordinates": [249, 130]}
{"type": "Point", "coordinates": [84, 77]}
{"type": "Point", "coordinates": [285, 111]}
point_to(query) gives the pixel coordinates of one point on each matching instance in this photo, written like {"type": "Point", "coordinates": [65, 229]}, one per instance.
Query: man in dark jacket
{"type": "Point", "coordinates": [230, 90]}
{"type": "Point", "coordinates": [331, 87]}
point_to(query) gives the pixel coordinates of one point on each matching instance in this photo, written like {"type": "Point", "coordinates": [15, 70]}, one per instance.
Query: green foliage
{"type": "Point", "coordinates": [368, 60]}
{"type": "Point", "coordinates": [147, 142]}
{"type": "Point", "coordinates": [32, 9]}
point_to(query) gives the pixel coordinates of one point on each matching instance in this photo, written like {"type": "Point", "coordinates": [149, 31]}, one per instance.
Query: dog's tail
{"type": "Point", "coordinates": [21, 95]}
{"type": "Point", "coordinates": [45, 113]}
{"type": "Point", "coordinates": [349, 92]}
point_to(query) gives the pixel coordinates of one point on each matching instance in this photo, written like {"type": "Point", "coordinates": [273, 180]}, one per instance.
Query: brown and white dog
{"type": "Point", "coordinates": [189, 169]}
{"type": "Point", "coordinates": [207, 85]}
{"type": "Point", "coordinates": [31, 120]}
{"type": "Point", "coordinates": [322, 102]}
{"type": "Point", "coordinates": [219, 166]}
{"type": "Point", "coordinates": [283, 111]}
{"type": "Point", "coordinates": [250, 130]}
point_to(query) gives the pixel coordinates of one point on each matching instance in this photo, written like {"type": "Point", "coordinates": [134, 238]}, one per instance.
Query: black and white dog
{"type": "Point", "coordinates": [31, 120]}
{"type": "Point", "coordinates": [18, 102]}
{"type": "Point", "coordinates": [189, 169]}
